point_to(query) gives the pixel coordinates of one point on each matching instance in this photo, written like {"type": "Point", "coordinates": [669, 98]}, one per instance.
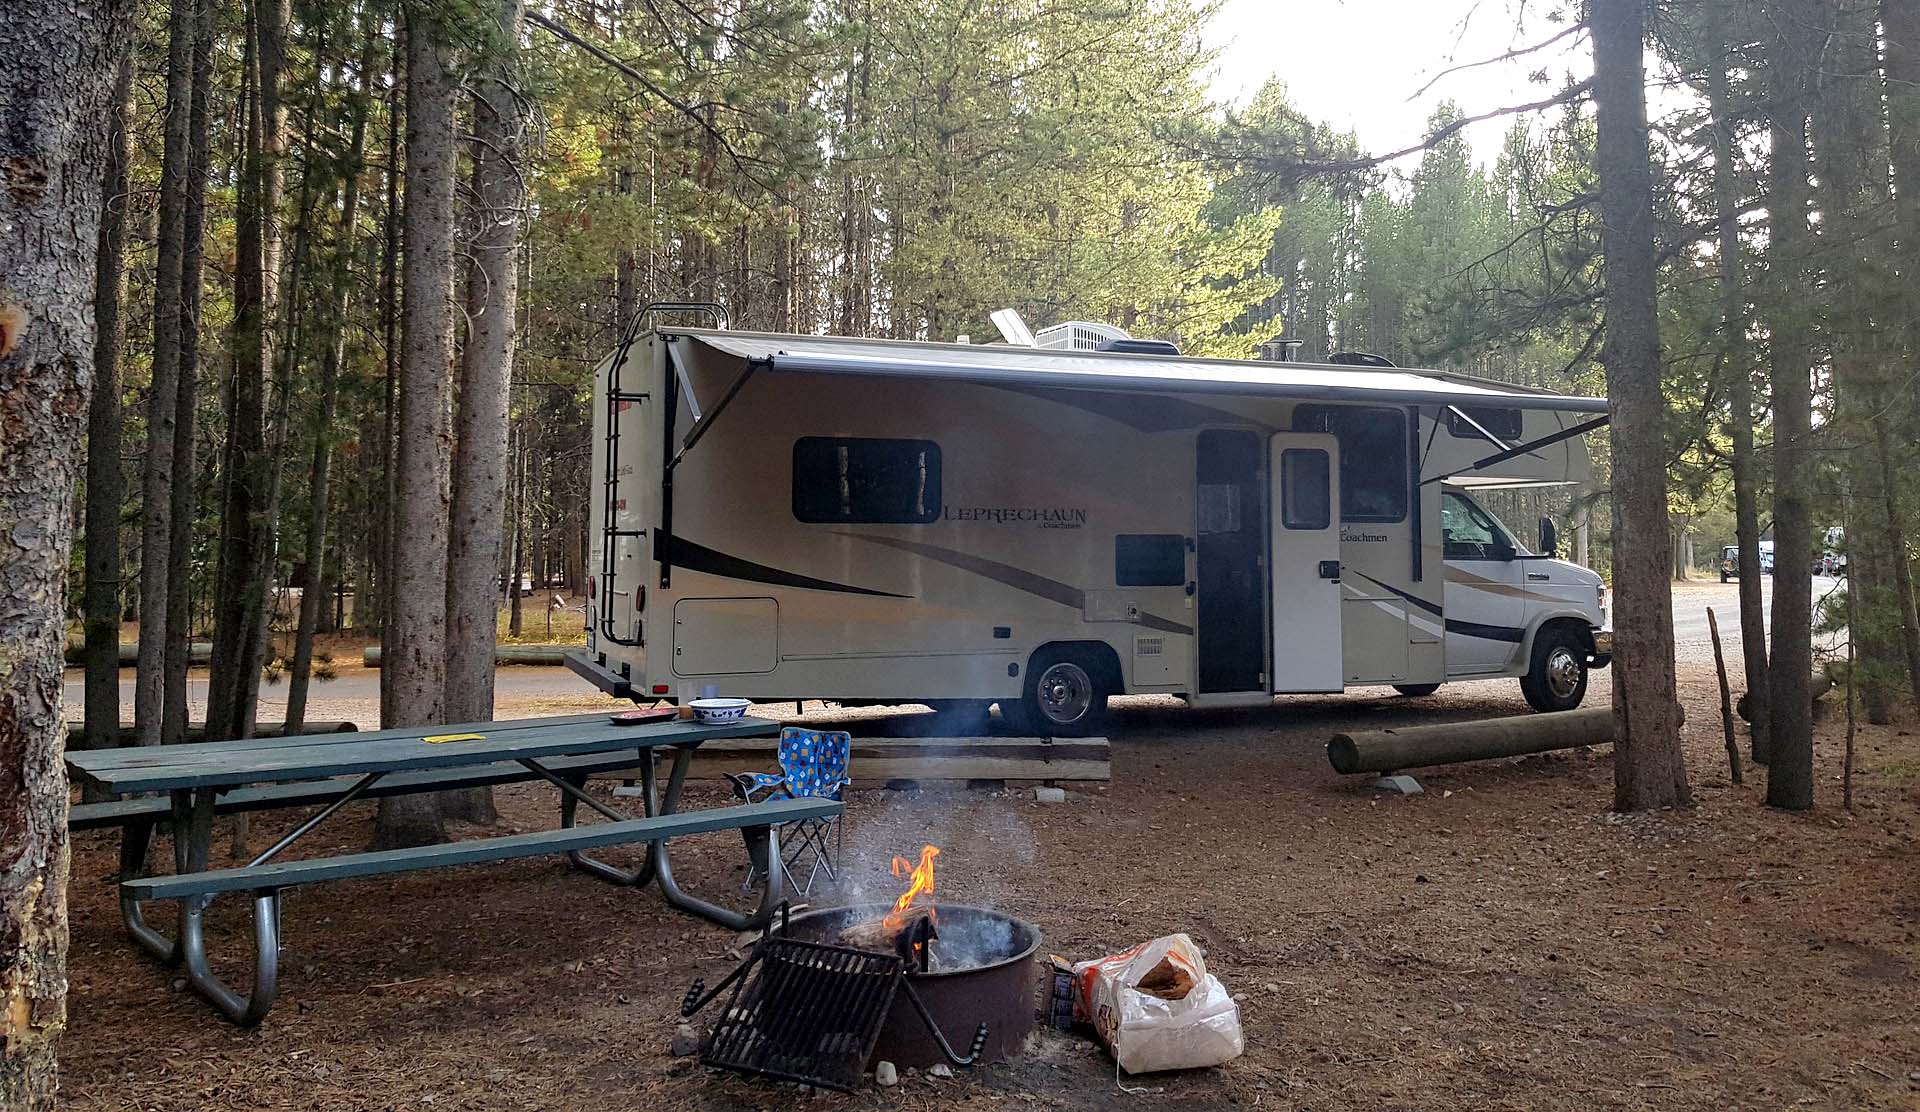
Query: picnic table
{"type": "Point", "coordinates": [206, 779]}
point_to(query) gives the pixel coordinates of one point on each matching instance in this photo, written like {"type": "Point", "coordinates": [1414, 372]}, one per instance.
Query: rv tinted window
{"type": "Point", "coordinates": [872, 482]}
{"type": "Point", "coordinates": [1303, 489]}
{"type": "Point", "coordinates": [1150, 560]}
{"type": "Point", "coordinates": [1503, 423]}
{"type": "Point", "coordinates": [1373, 457]}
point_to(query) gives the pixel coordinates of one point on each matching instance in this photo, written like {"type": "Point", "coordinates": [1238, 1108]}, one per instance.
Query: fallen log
{"type": "Point", "coordinates": [505, 654]}
{"type": "Point", "coordinates": [877, 760]}
{"type": "Point", "coordinates": [1383, 751]}
{"type": "Point", "coordinates": [197, 731]}
{"type": "Point", "coordinates": [200, 653]}
{"type": "Point", "coordinates": [1817, 685]}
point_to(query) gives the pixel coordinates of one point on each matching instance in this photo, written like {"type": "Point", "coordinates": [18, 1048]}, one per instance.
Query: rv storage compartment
{"type": "Point", "coordinates": [725, 636]}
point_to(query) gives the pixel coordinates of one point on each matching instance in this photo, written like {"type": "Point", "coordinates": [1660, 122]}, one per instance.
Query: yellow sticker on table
{"type": "Point", "coordinates": [438, 739]}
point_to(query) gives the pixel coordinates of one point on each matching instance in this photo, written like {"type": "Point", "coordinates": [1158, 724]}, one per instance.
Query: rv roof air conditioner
{"type": "Point", "coordinates": [1080, 335]}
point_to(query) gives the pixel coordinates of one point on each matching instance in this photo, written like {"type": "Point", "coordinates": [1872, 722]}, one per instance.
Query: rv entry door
{"type": "Point", "coordinates": [1307, 654]}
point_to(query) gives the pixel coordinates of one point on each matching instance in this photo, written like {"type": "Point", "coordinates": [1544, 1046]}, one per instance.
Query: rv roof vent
{"type": "Point", "coordinates": [1079, 335]}
{"type": "Point", "coordinates": [1141, 347]}
{"type": "Point", "coordinates": [1359, 359]}
{"type": "Point", "coordinates": [1278, 350]}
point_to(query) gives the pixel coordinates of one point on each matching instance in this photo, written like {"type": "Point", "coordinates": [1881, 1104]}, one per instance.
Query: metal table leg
{"type": "Point", "coordinates": [573, 793]}
{"type": "Point", "coordinates": [770, 899]}
{"type": "Point", "coordinates": [192, 839]}
{"type": "Point", "coordinates": [136, 841]}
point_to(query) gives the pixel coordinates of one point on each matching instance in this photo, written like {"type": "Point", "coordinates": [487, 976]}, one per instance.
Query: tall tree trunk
{"type": "Point", "coordinates": [1733, 324]}
{"type": "Point", "coordinates": [1790, 744]}
{"type": "Point", "coordinates": [416, 645]}
{"type": "Point", "coordinates": [106, 482]}
{"type": "Point", "coordinates": [1901, 565]}
{"type": "Point", "coordinates": [185, 467]}
{"type": "Point", "coordinates": [1848, 140]}
{"type": "Point", "coordinates": [384, 569]}
{"type": "Point", "coordinates": [246, 521]}
{"type": "Point", "coordinates": [480, 431]}
{"type": "Point", "coordinates": [313, 597]}
{"type": "Point", "coordinates": [61, 62]}
{"type": "Point", "coordinates": [149, 679]}
{"type": "Point", "coordinates": [1649, 770]}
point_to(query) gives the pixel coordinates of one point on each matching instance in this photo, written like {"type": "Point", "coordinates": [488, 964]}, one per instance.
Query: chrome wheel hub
{"type": "Point", "coordinates": [1064, 692]}
{"type": "Point", "coordinates": [1563, 672]}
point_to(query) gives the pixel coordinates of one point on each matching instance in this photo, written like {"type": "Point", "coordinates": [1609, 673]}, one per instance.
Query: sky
{"type": "Point", "coordinates": [1356, 64]}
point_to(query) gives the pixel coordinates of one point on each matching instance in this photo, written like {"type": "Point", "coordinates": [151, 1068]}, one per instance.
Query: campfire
{"type": "Point", "coordinates": [912, 925]}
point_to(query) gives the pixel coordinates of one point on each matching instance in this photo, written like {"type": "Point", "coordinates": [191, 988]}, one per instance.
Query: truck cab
{"type": "Point", "coordinates": [1511, 611]}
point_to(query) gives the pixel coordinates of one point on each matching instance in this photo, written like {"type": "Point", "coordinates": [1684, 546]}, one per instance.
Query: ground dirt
{"type": "Point", "coordinates": [1500, 942]}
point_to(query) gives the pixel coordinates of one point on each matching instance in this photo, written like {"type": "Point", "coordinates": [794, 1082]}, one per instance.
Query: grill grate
{"type": "Point", "coordinates": [810, 1013]}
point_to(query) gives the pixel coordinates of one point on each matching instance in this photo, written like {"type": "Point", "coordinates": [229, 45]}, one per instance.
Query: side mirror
{"type": "Point", "coordinates": [1549, 538]}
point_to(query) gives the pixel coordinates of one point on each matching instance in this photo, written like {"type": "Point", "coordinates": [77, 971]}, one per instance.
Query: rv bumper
{"type": "Point", "coordinates": [1602, 649]}
{"type": "Point", "coordinates": [593, 669]}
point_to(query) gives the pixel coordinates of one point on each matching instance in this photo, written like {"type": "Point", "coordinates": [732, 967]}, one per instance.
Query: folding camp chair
{"type": "Point", "coordinates": [813, 763]}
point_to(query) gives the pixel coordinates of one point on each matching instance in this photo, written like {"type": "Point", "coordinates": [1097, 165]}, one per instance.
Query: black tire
{"type": "Point", "coordinates": [1416, 690]}
{"type": "Point", "coordinates": [1723, 577]}
{"type": "Point", "coordinates": [1065, 696]}
{"type": "Point", "coordinates": [1556, 678]}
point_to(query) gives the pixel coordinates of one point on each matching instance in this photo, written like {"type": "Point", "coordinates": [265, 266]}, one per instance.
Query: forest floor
{"type": "Point", "coordinates": [1500, 942]}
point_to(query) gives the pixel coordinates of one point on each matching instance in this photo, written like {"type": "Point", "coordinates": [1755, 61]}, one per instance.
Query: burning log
{"type": "Point", "coordinates": [879, 934]}
{"type": "Point", "coordinates": [910, 925]}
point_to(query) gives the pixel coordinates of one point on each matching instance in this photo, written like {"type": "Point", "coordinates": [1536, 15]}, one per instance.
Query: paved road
{"type": "Point", "coordinates": [1692, 641]}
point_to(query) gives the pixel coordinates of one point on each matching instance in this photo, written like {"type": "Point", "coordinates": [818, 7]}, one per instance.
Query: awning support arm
{"type": "Point", "coordinates": [704, 422]}
{"type": "Point", "coordinates": [1528, 448]}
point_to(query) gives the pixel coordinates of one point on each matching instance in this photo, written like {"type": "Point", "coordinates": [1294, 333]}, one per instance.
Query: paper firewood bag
{"type": "Point", "coordinates": [1157, 1008]}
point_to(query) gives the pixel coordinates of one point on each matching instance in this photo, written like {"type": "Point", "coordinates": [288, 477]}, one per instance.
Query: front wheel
{"type": "Point", "coordinates": [1557, 679]}
{"type": "Point", "coordinates": [1066, 696]}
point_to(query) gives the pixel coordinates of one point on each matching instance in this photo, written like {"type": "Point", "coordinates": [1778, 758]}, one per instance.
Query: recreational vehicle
{"type": "Point", "coordinates": [1040, 527]}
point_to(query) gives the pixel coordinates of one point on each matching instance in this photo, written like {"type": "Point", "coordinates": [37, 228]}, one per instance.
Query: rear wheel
{"type": "Point", "coordinates": [1557, 678]}
{"type": "Point", "coordinates": [1066, 696]}
{"type": "Point", "coordinates": [1416, 690]}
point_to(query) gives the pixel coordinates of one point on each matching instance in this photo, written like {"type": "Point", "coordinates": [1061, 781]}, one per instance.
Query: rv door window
{"type": "Point", "coordinates": [1304, 476]}
{"type": "Point", "coordinates": [865, 481]}
{"type": "Point", "coordinates": [1373, 457]}
{"type": "Point", "coordinates": [1149, 560]}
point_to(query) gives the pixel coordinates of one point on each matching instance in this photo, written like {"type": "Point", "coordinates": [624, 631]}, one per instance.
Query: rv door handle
{"type": "Point", "coordinates": [1538, 576]}
{"type": "Point", "coordinates": [1330, 569]}
{"type": "Point", "coordinates": [1191, 587]}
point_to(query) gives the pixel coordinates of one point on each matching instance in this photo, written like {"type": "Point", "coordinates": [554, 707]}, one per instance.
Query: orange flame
{"type": "Point", "coordinates": [920, 885]}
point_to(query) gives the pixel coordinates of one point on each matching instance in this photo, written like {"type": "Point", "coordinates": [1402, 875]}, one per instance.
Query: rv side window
{"type": "Point", "coordinates": [1373, 457]}
{"type": "Point", "coordinates": [1149, 560]}
{"type": "Point", "coordinates": [870, 482]}
{"type": "Point", "coordinates": [1304, 484]}
{"type": "Point", "coordinates": [1503, 423]}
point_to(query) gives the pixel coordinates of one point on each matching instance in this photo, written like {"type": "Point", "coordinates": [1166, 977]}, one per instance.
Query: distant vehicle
{"type": "Point", "coordinates": [1730, 561]}
{"type": "Point", "coordinates": [1833, 560]}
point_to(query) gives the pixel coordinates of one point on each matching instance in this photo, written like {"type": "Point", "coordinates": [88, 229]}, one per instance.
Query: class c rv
{"type": "Point", "coordinates": [1042, 526]}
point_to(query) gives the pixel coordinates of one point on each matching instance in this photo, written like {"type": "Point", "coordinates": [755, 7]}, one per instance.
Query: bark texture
{"type": "Point", "coordinates": [60, 64]}
{"type": "Point", "coordinates": [156, 501]}
{"type": "Point", "coordinates": [416, 651]}
{"type": "Point", "coordinates": [185, 468]}
{"type": "Point", "coordinates": [1790, 750]}
{"type": "Point", "coordinates": [1648, 768]}
{"type": "Point", "coordinates": [1739, 376]}
{"type": "Point", "coordinates": [106, 483]}
{"type": "Point", "coordinates": [313, 597]}
{"type": "Point", "coordinates": [480, 431]}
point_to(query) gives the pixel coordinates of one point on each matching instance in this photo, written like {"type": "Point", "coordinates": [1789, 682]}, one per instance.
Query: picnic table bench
{"type": "Point", "coordinates": [207, 779]}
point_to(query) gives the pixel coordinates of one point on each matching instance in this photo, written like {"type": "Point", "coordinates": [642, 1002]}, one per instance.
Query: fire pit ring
{"type": "Point", "coordinates": [1001, 989]}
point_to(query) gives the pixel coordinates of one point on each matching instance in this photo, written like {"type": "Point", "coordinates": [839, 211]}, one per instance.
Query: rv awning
{"type": "Point", "coordinates": [1127, 372]}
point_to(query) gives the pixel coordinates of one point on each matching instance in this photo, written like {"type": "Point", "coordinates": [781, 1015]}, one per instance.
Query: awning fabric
{"type": "Point", "coordinates": [1127, 372]}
